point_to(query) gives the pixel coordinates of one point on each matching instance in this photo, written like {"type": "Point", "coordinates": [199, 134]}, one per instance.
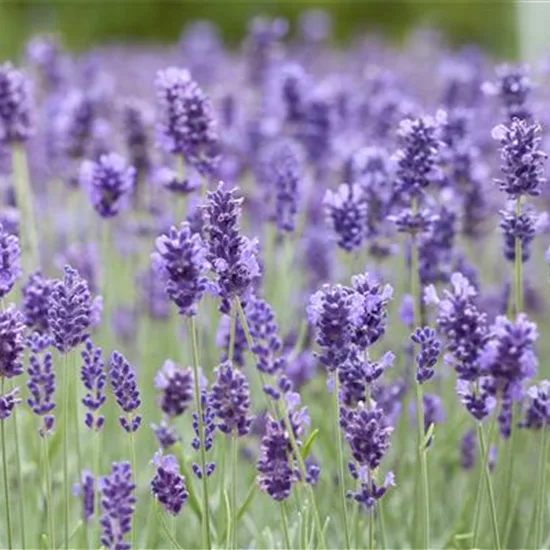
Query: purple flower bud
{"type": "Point", "coordinates": [176, 385]}
{"type": "Point", "coordinates": [70, 308]}
{"type": "Point", "coordinates": [7, 403]}
{"type": "Point", "coordinates": [369, 492]}
{"type": "Point", "coordinates": [537, 411]}
{"type": "Point", "coordinates": [468, 447]}
{"type": "Point", "coordinates": [513, 87]}
{"type": "Point", "coordinates": [11, 342]}
{"type": "Point", "coordinates": [117, 506]}
{"type": "Point", "coordinates": [86, 490]}
{"type": "Point", "coordinates": [109, 181]}
{"type": "Point", "coordinates": [137, 118]}
{"type": "Point", "coordinates": [41, 384]}
{"type": "Point", "coordinates": [35, 304]}
{"type": "Point", "coordinates": [15, 105]}
{"type": "Point", "coordinates": [10, 270]}
{"type": "Point", "coordinates": [165, 435]}
{"type": "Point", "coordinates": [427, 356]}
{"type": "Point", "coordinates": [478, 402]}
{"type": "Point", "coordinates": [122, 377]}
{"type": "Point", "coordinates": [168, 486]}
{"type": "Point", "coordinates": [94, 378]}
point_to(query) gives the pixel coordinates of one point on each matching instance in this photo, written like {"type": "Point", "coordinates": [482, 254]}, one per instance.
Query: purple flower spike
{"type": "Point", "coordinates": [117, 505]}
{"type": "Point", "coordinates": [537, 412]}
{"type": "Point", "coordinates": [168, 486]}
{"type": "Point", "coordinates": [187, 126]}
{"type": "Point", "coordinates": [478, 402]}
{"type": "Point", "coordinates": [369, 491]}
{"type": "Point", "coordinates": [181, 261]}
{"type": "Point", "coordinates": [8, 402]}
{"type": "Point", "coordinates": [41, 386]}
{"type": "Point", "coordinates": [230, 400]}
{"type": "Point", "coordinates": [86, 490]}
{"type": "Point", "coordinates": [513, 88]}
{"type": "Point", "coordinates": [123, 381]}
{"type": "Point", "coordinates": [36, 295]}
{"type": "Point", "coordinates": [165, 434]}
{"type": "Point", "coordinates": [10, 270]}
{"type": "Point", "coordinates": [137, 119]}
{"type": "Point", "coordinates": [15, 108]}
{"type": "Point", "coordinates": [468, 447]}
{"type": "Point", "coordinates": [523, 228]}
{"type": "Point", "coordinates": [109, 181]}
{"type": "Point", "coordinates": [11, 342]}
{"type": "Point", "coordinates": [176, 385]}
{"type": "Point", "coordinates": [70, 309]}
{"type": "Point", "coordinates": [522, 159]}
{"type": "Point", "coordinates": [346, 212]}
{"type": "Point", "coordinates": [428, 354]}
{"type": "Point", "coordinates": [94, 378]}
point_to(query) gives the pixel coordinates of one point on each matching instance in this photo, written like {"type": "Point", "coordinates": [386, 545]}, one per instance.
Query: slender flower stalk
{"type": "Point", "coordinates": [198, 401]}
{"type": "Point", "coordinates": [7, 501]}
{"type": "Point", "coordinates": [540, 503]}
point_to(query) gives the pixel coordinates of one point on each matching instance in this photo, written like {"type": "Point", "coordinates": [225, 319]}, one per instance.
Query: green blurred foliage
{"type": "Point", "coordinates": [83, 23]}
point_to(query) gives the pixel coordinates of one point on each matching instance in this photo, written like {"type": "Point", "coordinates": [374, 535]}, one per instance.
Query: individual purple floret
{"type": "Point", "coordinates": [522, 228]}
{"type": "Point", "coordinates": [369, 492]}
{"type": "Point", "coordinates": [265, 333]}
{"type": "Point", "coordinates": [336, 311]}
{"type": "Point", "coordinates": [427, 355]}
{"type": "Point", "coordinates": [123, 381]}
{"type": "Point", "coordinates": [176, 385]}
{"type": "Point", "coordinates": [187, 126]}
{"type": "Point", "coordinates": [367, 432]}
{"type": "Point", "coordinates": [513, 87]}
{"type": "Point", "coordinates": [70, 310]}
{"type": "Point", "coordinates": [15, 105]}
{"type": "Point", "coordinates": [414, 223]}
{"type": "Point", "coordinates": [117, 506]}
{"type": "Point", "coordinates": [109, 181]}
{"type": "Point", "coordinates": [165, 434]}
{"type": "Point", "coordinates": [181, 262]}
{"type": "Point", "coordinates": [137, 118]}
{"type": "Point", "coordinates": [522, 160]}
{"type": "Point", "coordinates": [346, 212]}
{"type": "Point", "coordinates": [417, 159]}
{"type": "Point", "coordinates": [8, 402]}
{"type": "Point", "coordinates": [372, 324]}
{"type": "Point", "coordinates": [35, 303]}
{"type": "Point", "coordinates": [283, 173]}
{"type": "Point", "coordinates": [468, 447]}
{"type": "Point", "coordinates": [41, 385]}
{"type": "Point", "coordinates": [11, 342]}
{"type": "Point", "coordinates": [230, 400]}
{"type": "Point", "coordinates": [462, 324]}
{"type": "Point", "coordinates": [275, 473]}
{"type": "Point", "coordinates": [10, 270]}
{"type": "Point", "coordinates": [537, 410]}
{"type": "Point", "coordinates": [479, 402]}
{"type": "Point", "coordinates": [168, 485]}
{"type": "Point", "coordinates": [232, 255]}
{"type": "Point", "coordinates": [38, 342]}
{"type": "Point", "coordinates": [94, 378]}
{"type": "Point", "coordinates": [86, 491]}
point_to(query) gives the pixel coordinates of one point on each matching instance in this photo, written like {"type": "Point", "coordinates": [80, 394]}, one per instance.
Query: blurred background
{"type": "Point", "coordinates": [82, 24]}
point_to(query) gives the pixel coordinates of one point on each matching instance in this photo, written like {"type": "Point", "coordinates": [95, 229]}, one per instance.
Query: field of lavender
{"type": "Point", "coordinates": [286, 296]}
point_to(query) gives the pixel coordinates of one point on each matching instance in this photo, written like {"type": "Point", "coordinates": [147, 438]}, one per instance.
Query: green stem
{"type": "Point", "coordinates": [7, 502]}
{"type": "Point", "coordinates": [49, 498]}
{"type": "Point", "coordinates": [284, 521]}
{"type": "Point", "coordinates": [341, 478]}
{"type": "Point", "coordinates": [18, 470]}
{"type": "Point", "coordinates": [97, 472]}
{"type": "Point", "coordinates": [541, 487]}
{"type": "Point", "coordinates": [232, 331]}
{"type": "Point", "coordinates": [135, 474]}
{"type": "Point", "coordinates": [487, 474]}
{"type": "Point", "coordinates": [198, 399]}
{"type": "Point", "coordinates": [166, 530]}
{"type": "Point", "coordinates": [65, 432]}
{"type": "Point", "coordinates": [371, 529]}
{"type": "Point", "coordinates": [518, 265]}
{"type": "Point", "coordinates": [234, 459]}
{"type": "Point", "coordinates": [29, 240]}
{"type": "Point", "coordinates": [382, 524]}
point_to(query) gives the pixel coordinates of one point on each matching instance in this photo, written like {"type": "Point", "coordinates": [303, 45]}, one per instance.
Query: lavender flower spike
{"type": "Point", "coordinates": [427, 356]}
{"type": "Point", "coordinates": [122, 377]}
{"type": "Point", "coordinates": [86, 490]}
{"type": "Point", "coordinates": [41, 385]}
{"type": "Point", "coordinates": [94, 379]}
{"type": "Point", "coordinates": [10, 270]}
{"type": "Point", "coordinates": [15, 108]}
{"type": "Point", "coordinates": [168, 485]}
{"type": "Point", "coordinates": [109, 181]}
{"type": "Point", "coordinates": [8, 402]}
{"type": "Point", "coordinates": [118, 505]}
{"type": "Point", "coordinates": [176, 385]}
{"type": "Point", "coordinates": [11, 343]}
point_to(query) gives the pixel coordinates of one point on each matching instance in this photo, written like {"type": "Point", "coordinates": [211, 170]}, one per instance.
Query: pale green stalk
{"type": "Point", "coordinates": [341, 478]}
{"type": "Point", "coordinates": [18, 471]}
{"type": "Point", "coordinates": [541, 489]}
{"type": "Point", "coordinates": [382, 524]}
{"type": "Point", "coordinates": [49, 497]}
{"type": "Point", "coordinates": [65, 432]}
{"type": "Point", "coordinates": [371, 529]}
{"type": "Point", "coordinates": [518, 265]}
{"type": "Point", "coordinates": [97, 473]}
{"type": "Point", "coordinates": [7, 502]}
{"type": "Point", "coordinates": [284, 522]}
{"type": "Point", "coordinates": [135, 474]}
{"type": "Point", "coordinates": [205, 505]}
{"type": "Point", "coordinates": [234, 460]}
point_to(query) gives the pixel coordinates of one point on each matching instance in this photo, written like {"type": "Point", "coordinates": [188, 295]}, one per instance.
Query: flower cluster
{"type": "Point", "coordinates": [94, 379]}
{"type": "Point", "coordinates": [123, 381]}
{"type": "Point", "coordinates": [168, 485]}
{"type": "Point", "coordinates": [15, 108]}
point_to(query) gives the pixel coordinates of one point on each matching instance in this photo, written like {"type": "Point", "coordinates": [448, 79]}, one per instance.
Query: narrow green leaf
{"type": "Point", "coordinates": [307, 445]}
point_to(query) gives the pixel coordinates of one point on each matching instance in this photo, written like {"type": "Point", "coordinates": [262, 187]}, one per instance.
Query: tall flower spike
{"type": "Point", "coordinates": [168, 485]}
{"type": "Point", "coordinates": [109, 182]}
{"type": "Point", "coordinates": [522, 159]}
{"type": "Point", "coordinates": [70, 310]}
{"type": "Point", "coordinates": [117, 505]}
{"type": "Point", "coordinates": [10, 269]}
{"type": "Point", "coordinates": [15, 105]}
{"type": "Point", "coordinates": [86, 491]}
{"type": "Point", "coordinates": [346, 212]}
{"type": "Point", "coordinates": [232, 255]}
{"type": "Point", "coordinates": [230, 400]}
{"type": "Point", "coordinates": [11, 342]}
{"type": "Point", "coordinates": [176, 385]}
{"type": "Point", "coordinates": [180, 260]}
{"type": "Point", "coordinates": [428, 354]}
{"type": "Point", "coordinates": [41, 385]}
{"type": "Point", "coordinates": [523, 228]}
{"type": "Point", "coordinates": [94, 378]}
{"type": "Point", "coordinates": [35, 303]}
{"type": "Point", "coordinates": [209, 429]}
{"type": "Point", "coordinates": [122, 377]}
{"type": "Point", "coordinates": [137, 118]}
{"type": "Point", "coordinates": [187, 126]}
{"type": "Point", "coordinates": [8, 402]}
